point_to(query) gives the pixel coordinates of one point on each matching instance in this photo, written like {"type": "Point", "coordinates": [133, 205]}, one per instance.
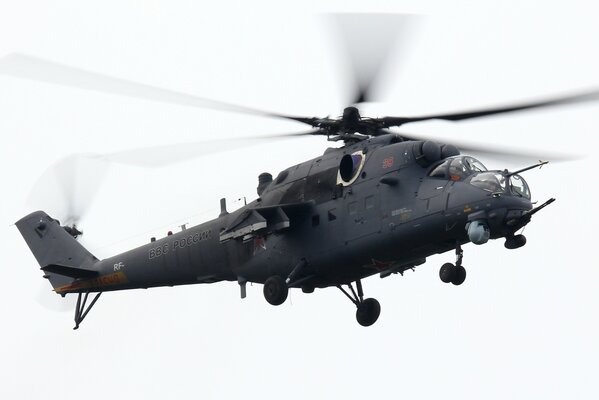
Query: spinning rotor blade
{"type": "Point", "coordinates": [67, 188]}
{"type": "Point", "coordinates": [37, 69]}
{"type": "Point", "coordinates": [162, 155]}
{"type": "Point", "coordinates": [515, 155]}
{"type": "Point", "coordinates": [369, 40]}
{"type": "Point", "coordinates": [291, 134]}
{"type": "Point", "coordinates": [485, 112]}
{"type": "Point", "coordinates": [48, 299]}
{"type": "Point", "coordinates": [505, 153]}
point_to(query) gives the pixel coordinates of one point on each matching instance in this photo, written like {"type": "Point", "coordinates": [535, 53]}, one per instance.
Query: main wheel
{"type": "Point", "coordinates": [275, 290]}
{"type": "Point", "coordinates": [368, 312]}
{"type": "Point", "coordinates": [447, 272]}
{"type": "Point", "coordinates": [459, 275]}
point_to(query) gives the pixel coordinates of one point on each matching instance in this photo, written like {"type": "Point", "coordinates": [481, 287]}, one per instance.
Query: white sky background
{"type": "Point", "coordinates": [523, 325]}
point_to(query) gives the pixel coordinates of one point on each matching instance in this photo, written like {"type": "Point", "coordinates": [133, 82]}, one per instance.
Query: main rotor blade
{"type": "Point", "coordinates": [38, 69]}
{"type": "Point", "coordinates": [163, 155]}
{"type": "Point", "coordinates": [369, 40]}
{"type": "Point", "coordinates": [68, 187]}
{"type": "Point", "coordinates": [312, 132]}
{"type": "Point", "coordinates": [485, 112]}
{"type": "Point", "coordinates": [505, 153]}
{"type": "Point", "coordinates": [515, 155]}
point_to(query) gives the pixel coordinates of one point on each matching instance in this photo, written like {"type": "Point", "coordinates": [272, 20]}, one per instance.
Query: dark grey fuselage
{"type": "Point", "coordinates": [390, 218]}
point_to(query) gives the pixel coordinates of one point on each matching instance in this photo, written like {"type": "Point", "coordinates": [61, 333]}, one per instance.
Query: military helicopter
{"type": "Point", "coordinates": [380, 204]}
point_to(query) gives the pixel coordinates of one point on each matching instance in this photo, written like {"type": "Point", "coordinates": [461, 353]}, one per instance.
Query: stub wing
{"type": "Point", "coordinates": [265, 220]}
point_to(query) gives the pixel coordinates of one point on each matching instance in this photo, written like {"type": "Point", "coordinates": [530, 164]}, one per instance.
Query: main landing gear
{"type": "Point", "coordinates": [275, 290]}
{"type": "Point", "coordinates": [368, 310]}
{"type": "Point", "coordinates": [455, 274]}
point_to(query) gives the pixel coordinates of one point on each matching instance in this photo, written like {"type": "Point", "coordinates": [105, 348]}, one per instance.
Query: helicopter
{"type": "Point", "coordinates": [380, 204]}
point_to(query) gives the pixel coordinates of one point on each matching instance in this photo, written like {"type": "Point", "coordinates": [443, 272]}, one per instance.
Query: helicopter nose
{"type": "Point", "coordinates": [505, 215]}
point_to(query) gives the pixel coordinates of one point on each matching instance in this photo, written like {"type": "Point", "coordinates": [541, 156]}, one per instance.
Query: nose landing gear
{"type": "Point", "coordinates": [515, 242]}
{"type": "Point", "coordinates": [455, 274]}
{"type": "Point", "coordinates": [368, 310]}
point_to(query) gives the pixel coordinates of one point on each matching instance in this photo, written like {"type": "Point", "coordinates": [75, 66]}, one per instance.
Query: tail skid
{"type": "Point", "coordinates": [80, 310]}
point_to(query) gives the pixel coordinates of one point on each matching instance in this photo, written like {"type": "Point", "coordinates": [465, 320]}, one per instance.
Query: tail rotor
{"type": "Point", "coordinates": [67, 189]}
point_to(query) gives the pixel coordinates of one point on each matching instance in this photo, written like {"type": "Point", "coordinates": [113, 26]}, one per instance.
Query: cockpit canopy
{"type": "Point", "coordinates": [493, 182]}
{"type": "Point", "coordinates": [497, 182]}
{"type": "Point", "coordinates": [519, 187]}
{"type": "Point", "coordinates": [457, 168]}
{"type": "Point", "coordinates": [469, 169]}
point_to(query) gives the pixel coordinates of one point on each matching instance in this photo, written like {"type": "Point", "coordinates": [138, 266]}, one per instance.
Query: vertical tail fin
{"type": "Point", "coordinates": [60, 256]}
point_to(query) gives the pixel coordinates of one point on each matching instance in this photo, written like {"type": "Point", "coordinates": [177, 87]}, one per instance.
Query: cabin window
{"type": "Point", "coordinates": [369, 202]}
{"type": "Point", "coordinates": [315, 220]}
{"type": "Point", "coordinates": [352, 208]}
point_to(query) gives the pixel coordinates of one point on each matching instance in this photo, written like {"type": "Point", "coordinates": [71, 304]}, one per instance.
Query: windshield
{"type": "Point", "coordinates": [519, 187]}
{"type": "Point", "coordinates": [490, 181]}
{"type": "Point", "coordinates": [474, 164]}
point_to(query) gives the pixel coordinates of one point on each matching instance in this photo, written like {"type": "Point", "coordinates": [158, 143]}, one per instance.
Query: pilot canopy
{"type": "Point", "coordinates": [457, 168]}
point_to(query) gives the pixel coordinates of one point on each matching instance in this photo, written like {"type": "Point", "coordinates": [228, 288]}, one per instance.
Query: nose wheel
{"type": "Point", "coordinates": [515, 242]}
{"type": "Point", "coordinates": [455, 274]}
{"type": "Point", "coordinates": [367, 310]}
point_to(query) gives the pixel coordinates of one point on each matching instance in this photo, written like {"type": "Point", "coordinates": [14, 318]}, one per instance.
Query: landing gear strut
{"type": "Point", "coordinates": [368, 310]}
{"type": "Point", "coordinates": [455, 274]}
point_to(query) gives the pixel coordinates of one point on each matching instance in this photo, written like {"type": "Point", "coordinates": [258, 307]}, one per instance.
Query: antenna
{"type": "Point", "coordinates": [223, 207]}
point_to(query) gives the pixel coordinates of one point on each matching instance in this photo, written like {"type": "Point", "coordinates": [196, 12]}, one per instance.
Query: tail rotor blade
{"type": "Point", "coordinates": [51, 301]}
{"type": "Point", "coordinates": [67, 188]}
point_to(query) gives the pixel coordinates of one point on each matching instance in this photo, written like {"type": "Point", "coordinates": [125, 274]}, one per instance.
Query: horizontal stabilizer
{"type": "Point", "coordinates": [72, 272]}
